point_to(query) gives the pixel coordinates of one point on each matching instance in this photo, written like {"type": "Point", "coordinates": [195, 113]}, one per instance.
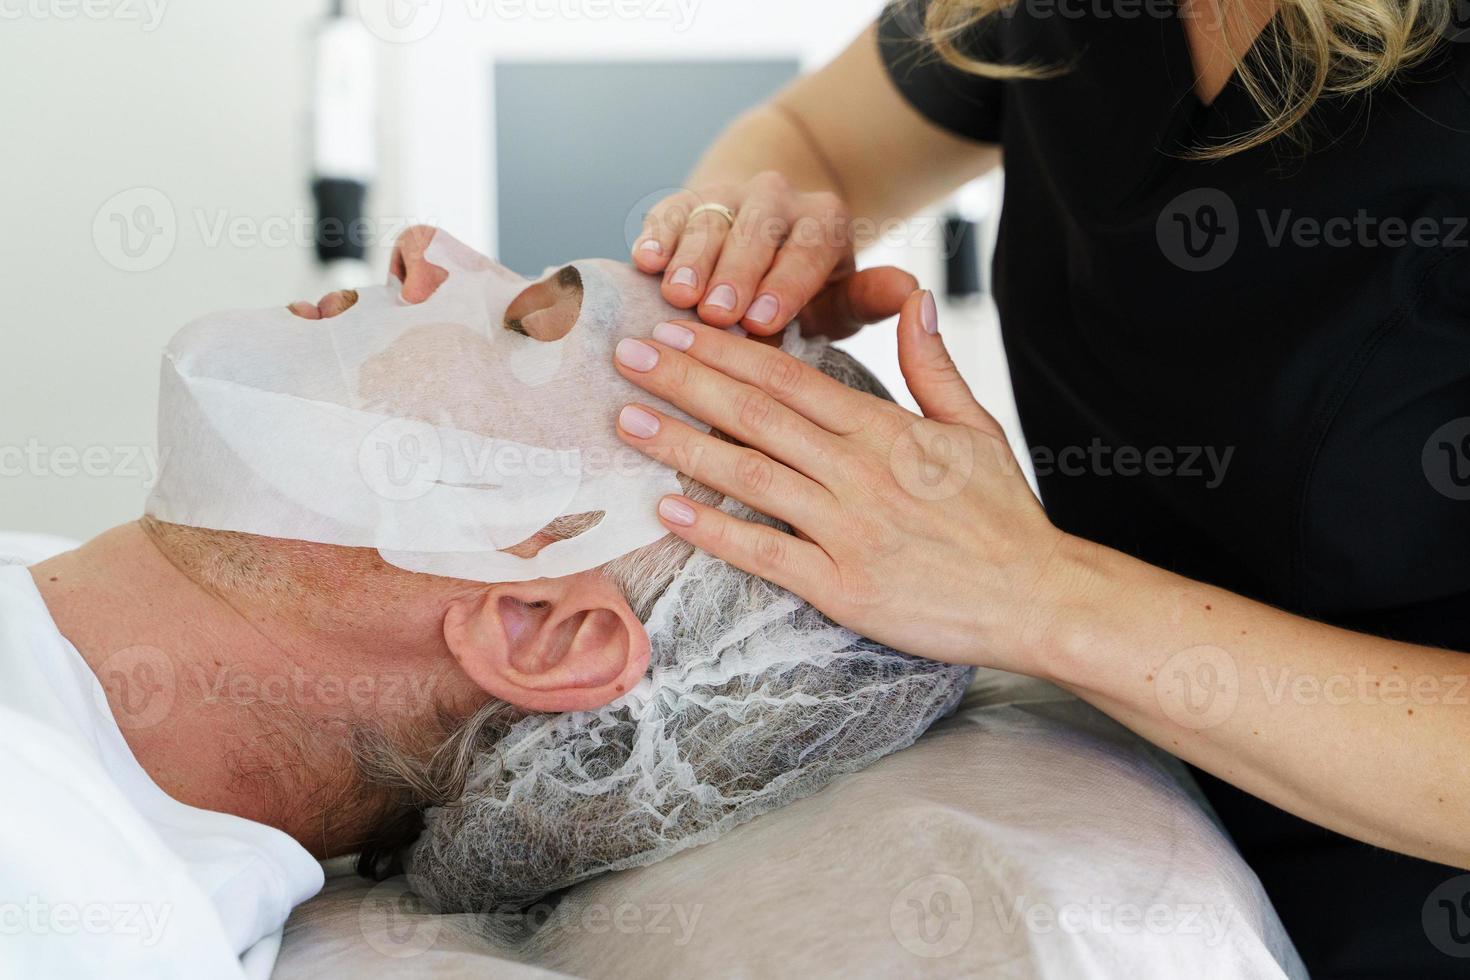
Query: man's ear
{"type": "Point", "coordinates": [552, 644]}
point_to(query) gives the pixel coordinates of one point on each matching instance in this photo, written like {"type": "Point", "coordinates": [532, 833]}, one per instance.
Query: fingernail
{"type": "Point", "coordinates": [651, 245]}
{"type": "Point", "coordinates": [636, 354]}
{"type": "Point", "coordinates": [722, 297]}
{"type": "Point", "coordinates": [677, 337]}
{"type": "Point", "coordinates": [300, 308]}
{"type": "Point", "coordinates": [764, 309]}
{"type": "Point", "coordinates": [676, 510]}
{"type": "Point", "coordinates": [635, 421]}
{"type": "Point", "coordinates": [928, 313]}
{"type": "Point", "coordinates": [684, 276]}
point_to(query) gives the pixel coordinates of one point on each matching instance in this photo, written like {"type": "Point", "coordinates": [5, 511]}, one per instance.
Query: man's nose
{"type": "Point", "coordinates": [419, 276]}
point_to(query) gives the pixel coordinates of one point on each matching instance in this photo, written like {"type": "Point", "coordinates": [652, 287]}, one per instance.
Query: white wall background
{"type": "Point", "coordinates": [204, 108]}
{"type": "Point", "coordinates": [189, 116]}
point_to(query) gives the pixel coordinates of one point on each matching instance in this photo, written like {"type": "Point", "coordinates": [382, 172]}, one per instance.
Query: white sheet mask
{"type": "Point", "coordinates": [428, 431]}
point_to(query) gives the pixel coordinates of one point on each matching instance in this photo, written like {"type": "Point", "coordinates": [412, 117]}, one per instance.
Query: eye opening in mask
{"type": "Point", "coordinates": [547, 310]}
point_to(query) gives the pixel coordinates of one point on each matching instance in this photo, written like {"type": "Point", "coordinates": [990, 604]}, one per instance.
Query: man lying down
{"type": "Point", "coordinates": [400, 590]}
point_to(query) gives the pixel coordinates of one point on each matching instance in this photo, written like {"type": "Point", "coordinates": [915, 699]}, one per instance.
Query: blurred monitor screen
{"type": "Point", "coordinates": [583, 149]}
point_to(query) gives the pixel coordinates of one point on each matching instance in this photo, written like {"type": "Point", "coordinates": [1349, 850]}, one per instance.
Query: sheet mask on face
{"type": "Point", "coordinates": [434, 432]}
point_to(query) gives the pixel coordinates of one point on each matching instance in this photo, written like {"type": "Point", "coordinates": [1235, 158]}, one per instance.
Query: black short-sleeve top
{"type": "Point", "coordinates": [1254, 371]}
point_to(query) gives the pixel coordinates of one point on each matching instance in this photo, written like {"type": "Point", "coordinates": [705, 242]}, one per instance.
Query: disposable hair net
{"type": "Point", "coordinates": [753, 700]}
{"type": "Point", "coordinates": [432, 432]}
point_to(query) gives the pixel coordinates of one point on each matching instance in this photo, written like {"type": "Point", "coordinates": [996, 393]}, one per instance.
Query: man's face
{"type": "Point", "coordinates": [442, 419]}
{"type": "Point", "coordinates": [454, 338]}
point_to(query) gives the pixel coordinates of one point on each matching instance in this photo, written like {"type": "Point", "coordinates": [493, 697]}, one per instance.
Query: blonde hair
{"type": "Point", "coordinates": [1324, 47]}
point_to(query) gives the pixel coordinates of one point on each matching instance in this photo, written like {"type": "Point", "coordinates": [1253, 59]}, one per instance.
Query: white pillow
{"type": "Point", "coordinates": [1026, 836]}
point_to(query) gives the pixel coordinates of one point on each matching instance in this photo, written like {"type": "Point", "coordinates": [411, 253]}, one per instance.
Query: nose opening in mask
{"type": "Point", "coordinates": [547, 310]}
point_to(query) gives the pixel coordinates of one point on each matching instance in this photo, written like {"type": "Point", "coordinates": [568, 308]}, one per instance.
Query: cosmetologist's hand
{"type": "Point", "coordinates": [788, 252]}
{"type": "Point", "coordinates": [917, 531]}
